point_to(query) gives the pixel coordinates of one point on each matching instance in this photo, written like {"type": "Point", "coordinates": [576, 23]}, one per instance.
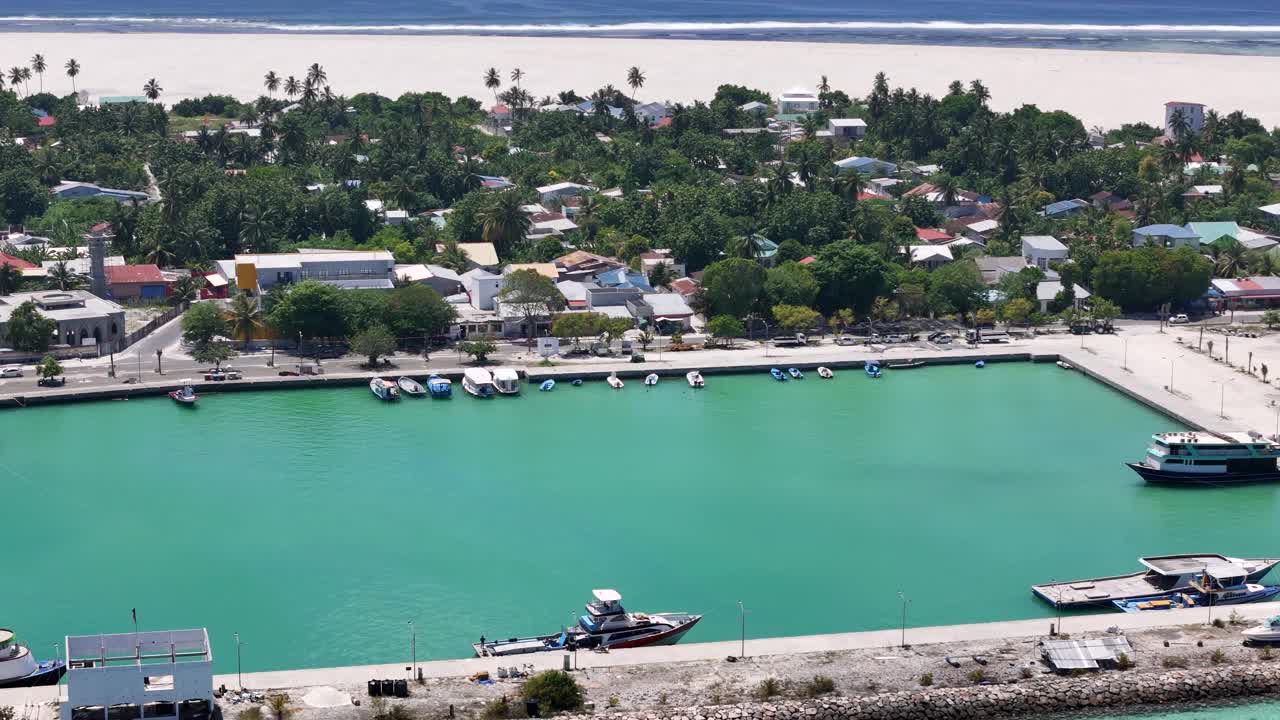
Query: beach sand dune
{"type": "Point", "coordinates": [1102, 88]}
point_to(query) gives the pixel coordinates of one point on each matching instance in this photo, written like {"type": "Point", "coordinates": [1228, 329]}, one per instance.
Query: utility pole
{"type": "Point", "coordinates": [742, 614]}
{"type": "Point", "coordinates": [905, 602]}
{"type": "Point", "coordinates": [413, 647]}
{"type": "Point", "coordinates": [239, 677]}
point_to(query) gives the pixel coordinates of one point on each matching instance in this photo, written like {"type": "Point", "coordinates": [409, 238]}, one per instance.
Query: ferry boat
{"type": "Point", "coordinates": [1165, 575]}
{"type": "Point", "coordinates": [384, 389]}
{"type": "Point", "coordinates": [507, 381]}
{"type": "Point", "coordinates": [606, 625]}
{"type": "Point", "coordinates": [439, 387]}
{"type": "Point", "coordinates": [1209, 458]}
{"type": "Point", "coordinates": [19, 668]}
{"type": "Point", "coordinates": [478, 382]}
{"type": "Point", "coordinates": [694, 378]}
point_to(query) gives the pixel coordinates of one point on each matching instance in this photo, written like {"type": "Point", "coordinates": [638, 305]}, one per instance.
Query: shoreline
{"type": "Point", "coordinates": [678, 70]}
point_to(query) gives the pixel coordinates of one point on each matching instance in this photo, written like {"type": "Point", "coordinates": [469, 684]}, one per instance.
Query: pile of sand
{"type": "Point", "coordinates": [326, 697]}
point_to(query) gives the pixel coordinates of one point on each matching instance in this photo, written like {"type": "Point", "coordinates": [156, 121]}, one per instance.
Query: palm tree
{"type": "Point", "coordinates": [38, 64]}
{"type": "Point", "coordinates": [246, 317]}
{"type": "Point", "coordinates": [271, 81]}
{"type": "Point", "coordinates": [26, 75]}
{"type": "Point", "coordinates": [849, 185]}
{"type": "Point", "coordinates": [152, 90]}
{"type": "Point", "coordinates": [62, 276]}
{"type": "Point", "coordinates": [947, 187]}
{"type": "Point", "coordinates": [73, 69]}
{"type": "Point", "coordinates": [492, 81]}
{"type": "Point", "coordinates": [516, 76]}
{"type": "Point", "coordinates": [779, 180]}
{"type": "Point", "coordinates": [452, 256]}
{"type": "Point", "coordinates": [504, 223]}
{"type": "Point", "coordinates": [635, 78]}
{"type": "Point", "coordinates": [185, 289]}
{"type": "Point", "coordinates": [292, 87]}
{"type": "Point", "coordinates": [316, 74]}
{"type": "Point", "coordinates": [1230, 259]}
{"type": "Point", "coordinates": [15, 76]}
{"type": "Point", "coordinates": [255, 227]}
{"type": "Point", "coordinates": [980, 92]}
{"type": "Point", "coordinates": [824, 86]}
{"type": "Point", "coordinates": [10, 278]}
{"type": "Point", "coordinates": [160, 251]}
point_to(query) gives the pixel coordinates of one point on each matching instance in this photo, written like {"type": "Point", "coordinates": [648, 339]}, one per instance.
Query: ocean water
{"type": "Point", "coordinates": [1260, 711]}
{"type": "Point", "coordinates": [317, 523]}
{"type": "Point", "coordinates": [1229, 26]}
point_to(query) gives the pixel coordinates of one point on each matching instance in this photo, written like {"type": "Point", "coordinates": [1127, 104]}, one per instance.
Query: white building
{"type": "Point", "coordinates": [346, 269]}
{"type": "Point", "coordinates": [83, 318]}
{"type": "Point", "coordinates": [165, 674]}
{"type": "Point", "coordinates": [848, 128]}
{"type": "Point", "coordinates": [797, 101]}
{"type": "Point", "coordinates": [1192, 113]}
{"type": "Point", "coordinates": [547, 193]}
{"type": "Point", "coordinates": [1039, 250]}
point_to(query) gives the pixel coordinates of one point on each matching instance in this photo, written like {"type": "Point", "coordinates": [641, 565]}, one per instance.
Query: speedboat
{"type": "Point", "coordinates": [1232, 595]}
{"type": "Point", "coordinates": [606, 626]}
{"type": "Point", "coordinates": [1164, 575]}
{"type": "Point", "coordinates": [186, 396]}
{"type": "Point", "coordinates": [980, 364]}
{"type": "Point", "coordinates": [411, 386]}
{"type": "Point", "coordinates": [614, 381]}
{"type": "Point", "coordinates": [694, 378]}
{"type": "Point", "coordinates": [547, 385]}
{"type": "Point", "coordinates": [439, 387]}
{"type": "Point", "coordinates": [507, 381]}
{"type": "Point", "coordinates": [904, 364]}
{"type": "Point", "coordinates": [1209, 458]}
{"type": "Point", "coordinates": [872, 368]}
{"type": "Point", "coordinates": [384, 389]}
{"type": "Point", "coordinates": [825, 373]}
{"type": "Point", "coordinates": [19, 668]}
{"type": "Point", "coordinates": [478, 382]}
{"type": "Point", "coordinates": [795, 373]}
{"type": "Point", "coordinates": [777, 374]}
{"type": "Point", "coordinates": [1064, 364]}
{"type": "Point", "coordinates": [651, 379]}
{"type": "Point", "coordinates": [1268, 632]}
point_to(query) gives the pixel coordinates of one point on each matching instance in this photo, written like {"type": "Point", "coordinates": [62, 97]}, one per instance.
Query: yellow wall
{"type": "Point", "coordinates": [246, 276]}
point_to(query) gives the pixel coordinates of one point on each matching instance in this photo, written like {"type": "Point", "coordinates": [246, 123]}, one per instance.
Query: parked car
{"type": "Point", "coordinates": [846, 340]}
{"type": "Point", "coordinates": [11, 371]}
{"type": "Point", "coordinates": [51, 381]}
{"type": "Point", "coordinates": [1179, 319]}
{"type": "Point", "coordinates": [943, 338]}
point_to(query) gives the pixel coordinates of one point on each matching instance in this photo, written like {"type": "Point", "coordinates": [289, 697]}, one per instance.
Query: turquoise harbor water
{"type": "Point", "coordinates": [317, 523]}
{"type": "Point", "coordinates": [1263, 711]}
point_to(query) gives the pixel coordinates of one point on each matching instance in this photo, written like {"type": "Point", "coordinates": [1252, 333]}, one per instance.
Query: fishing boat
{"type": "Point", "coordinates": [980, 364]}
{"type": "Point", "coordinates": [186, 396]}
{"type": "Point", "coordinates": [1209, 594]}
{"type": "Point", "coordinates": [19, 668]}
{"type": "Point", "coordinates": [795, 373]}
{"type": "Point", "coordinates": [1164, 575]}
{"type": "Point", "coordinates": [614, 381]}
{"type": "Point", "coordinates": [411, 386]}
{"type": "Point", "coordinates": [384, 389]}
{"type": "Point", "coordinates": [547, 385]}
{"type": "Point", "coordinates": [694, 378]}
{"type": "Point", "coordinates": [903, 364]}
{"type": "Point", "coordinates": [872, 368]}
{"type": "Point", "coordinates": [439, 387]}
{"type": "Point", "coordinates": [507, 381]}
{"type": "Point", "coordinates": [478, 382]}
{"type": "Point", "coordinates": [825, 373]}
{"type": "Point", "coordinates": [1063, 364]}
{"type": "Point", "coordinates": [1267, 632]}
{"type": "Point", "coordinates": [777, 374]}
{"type": "Point", "coordinates": [651, 379]}
{"type": "Point", "coordinates": [606, 625]}
{"type": "Point", "coordinates": [1209, 458]}
{"type": "Point", "coordinates": [576, 382]}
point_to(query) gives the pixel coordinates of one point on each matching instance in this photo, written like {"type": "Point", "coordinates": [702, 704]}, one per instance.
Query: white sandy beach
{"type": "Point", "coordinates": [1103, 88]}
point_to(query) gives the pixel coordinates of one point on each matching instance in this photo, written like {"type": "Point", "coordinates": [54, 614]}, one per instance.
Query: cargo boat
{"type": "Point", "coordinates": [1165, 575]}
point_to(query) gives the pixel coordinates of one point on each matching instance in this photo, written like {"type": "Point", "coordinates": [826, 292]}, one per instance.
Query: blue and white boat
{"type": "Point", "coordinates": [777, 374]}
{"type": "Point", "coordinates": [19, 668]}
{"type": "Point", "coordinates": [872, 368]}
{"type": "Point", "coordinates": [651, 379]}
{"type": "Point", "coordinates": [547, 385]}
{"type": "Point", "coordinates": [1208, 590]}
{"type": "Point", "coordinates": [576, 382]}
{"type": "Point", "coordinates": [439, 387]}
{"type": "Point", "coordinates": [795, 373]}
{"type": "Point", "coordinates": [980, 364]}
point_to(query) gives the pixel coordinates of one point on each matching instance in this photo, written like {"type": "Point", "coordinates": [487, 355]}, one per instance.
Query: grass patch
{"type": "Point", "coordinates": [178, 123]}
{"type": "Point", "coordinates": [979, 675]}
{"type": "Point", "coordinates": [769, 687]}
{"type": "Point", "coordinates": [1025, 673]}
{"type": "Point", "coordinates": [1219, 623]}
{"type": "Point", "coordinates": [1217, 657]}
{"type": "Point", "coordinates": [1174, 662]}
{"type": "Point", "coordinates": [819, 685]}
{"type": "Point", "coordinates": [1124, 662]}
{"type": "Point", "coordinates": [926, 680]}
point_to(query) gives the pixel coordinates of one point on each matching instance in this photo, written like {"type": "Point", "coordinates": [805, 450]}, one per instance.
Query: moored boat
{"type": "Point", "coordinates": [547, 385]}
{"type": "Point", "coordinates": [576, 382]}
{"type": "Point", "coordinates": [694, 378]}
{"type": "Point", "coordinates": [439, 387]}
{"type": "Point", "coordinates": [872, 368]}
{"type": "Point", "coordinates": [384, 389]}
{"type": "Point", "coordinates": [19, 668]}
{"type": "Point", "coordinates": [606, 625]}
{"type": "Point", "coordinates": [777, 374]}
{"type": "Point", "coordinates": [1209, 595]}
{"type": "Point", "coordinates": [980, 364]}
{"type": "Point", "coordinates": [614, 381]}
{"type": "Point", "coordinates": [1164, 575]}
{"type": "Point", "coordinates": [1209, 458]}
{"type": "Point", "coordinates": [825, 373]}
{"type": "Point", "coordinates": [411, 386]}
{"type": "Point", "coordinates": [1267, 632]}
{"type": "Point", "coordinates": [903, 364]}
{"type": "Point", "coordinates": [507, 381]}
{"type": "Point", "coordinates": [651, 379]}
{"type": "Point", "coordinates": [1064, 364]}
{"type": "Point", "coordinates": [795, 373]}
{"type": "Point", "coordinates": [186, 396]}
{"type": "Point", "coordinates": [478, 382]}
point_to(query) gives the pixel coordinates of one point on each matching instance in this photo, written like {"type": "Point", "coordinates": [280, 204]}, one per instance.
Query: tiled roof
{"type": "Point", "coordinates": [133, 274]}
{"type": "Point", "coordinates": [18, 263]}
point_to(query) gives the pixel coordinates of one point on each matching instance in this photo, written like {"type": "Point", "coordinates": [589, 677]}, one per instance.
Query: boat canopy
{"type": "Point", "coordinates": [607, 596]}
{"type": "Point", "coordinates": [1217, 566]}
{"type": "Point", "coordinates": [478, 375]}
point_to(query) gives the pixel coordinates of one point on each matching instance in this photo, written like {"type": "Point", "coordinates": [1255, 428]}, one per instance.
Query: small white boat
{"type": "Point", "coordinates": [694, 378]}
{"type": "Point", "coordinates": [825, 373]}
{"type": "Point", "coordinates": [478, 382]}
{"type": "Point", "coordinates": [1064, 365]}
{"type": "Point", "coordinates": [384, 389]}
{"type": "Point", "coordinates": [1267, 632]}
{"type": "Point", "coordinates": [614, 381]}
{"type": "Point", "coordinates": [547, 385]}
{"type": "Point", "coordinates": [185, 396]}
{"type": "Point", "coordinates": [411, 386]}
{"type": "Point", "coordinates": [651, 379]}
{"type": "Point", "coordinates": [507, 381]}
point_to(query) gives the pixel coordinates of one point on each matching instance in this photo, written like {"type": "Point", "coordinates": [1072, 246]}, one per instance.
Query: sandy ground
{"type": "Point", "coordinates": [1103, 88]}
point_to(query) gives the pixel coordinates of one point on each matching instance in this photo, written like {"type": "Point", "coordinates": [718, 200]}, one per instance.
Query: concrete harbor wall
{"type": "Point", "coordinates": [1111, 690]}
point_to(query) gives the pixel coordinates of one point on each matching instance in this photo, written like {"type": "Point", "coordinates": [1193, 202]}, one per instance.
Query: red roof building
{"type": "Point", "coordinates": [932, 236]}
{"type": "Point", "coordinates": [47, 121]}
{"type": "Point", "coordinates": [126, 282]}
{"type": "Point", "coordinates": [808, 260]}
{"type": "Point", "coordinates": [18, 263]}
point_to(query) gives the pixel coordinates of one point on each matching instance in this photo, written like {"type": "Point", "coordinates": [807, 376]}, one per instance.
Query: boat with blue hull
{"type": "Point", "coordinates": [547, 385]}
{"type": "Point", "coordinates": [1165, 576]}
{"type": "Point", "coordinates": [1209, 458]}
{"type": "Point", "coordinates": [439, 387]}
{"type": "Point", "coordinates": [777, 374]}
{"type": "Point", "coordinates": [795, 373]}
{"type": "Point", "coordinates": [19, 668]}
{"type": "Point", "coordinates": [872, 369]}
{"type": "Point", "coordinates": [1235, 595]}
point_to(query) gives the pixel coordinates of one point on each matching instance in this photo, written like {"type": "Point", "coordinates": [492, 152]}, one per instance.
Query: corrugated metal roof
{"type": "Point", "coordinates": [1084, 654]}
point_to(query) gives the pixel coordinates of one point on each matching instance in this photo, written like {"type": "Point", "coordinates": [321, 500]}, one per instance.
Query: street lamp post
{"type": "Point", "coordinates": [905, 602]}
{"type": "Point", "coordinates": [413, 647]}
{"type": "Point", "coordinates": [1125, 364]}
{"type": "Point", "coordinates": [239, 677]}
{"type": "Point", "coordinates": [742, 615]}
{"type": "Point", "coordinates": [159, 366]}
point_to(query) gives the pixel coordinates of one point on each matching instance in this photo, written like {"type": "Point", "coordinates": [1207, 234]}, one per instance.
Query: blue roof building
{"type": "Point", "coordinates": [1064, 208]}
{"type": "Point", "coordinates": [1167, 236]}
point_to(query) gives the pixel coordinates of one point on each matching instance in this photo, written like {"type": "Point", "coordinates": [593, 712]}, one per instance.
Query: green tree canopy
{"type": "Point", "coordinates": [732, 287]}
{"type": "Point", "coordinates": [49, 367]}
{"type": "Point", "coordinates": [418, 310]}
{"type": "Point", "coordinates": [958, 287]}
{"type": "Point", "coordinates": [791, 284]}
{"type": "Point", "coordinates": [850, 275]}
{"type": "Point", "coordinates": [311, 309]}
{"type": "Point", "coordinates": [28, 330]}
{"type": "Point", "coordinates": [725, 327]}
{"type": "Point", "coordinates": [795, 318]}
{"type": "Point", "coordinates": [532, 295]}
{"type": "Point", "coordinates": [374, 342]}
{"type": "Point", "coordinates": [202, 322]}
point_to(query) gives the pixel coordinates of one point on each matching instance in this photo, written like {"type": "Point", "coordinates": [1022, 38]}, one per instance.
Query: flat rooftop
{"type": "Point", "coordinates": [1230, 437]}
{"type": "Point", "coordinates": [130, 648]}
{"type": "Point", "coordinates": [1188, 564]}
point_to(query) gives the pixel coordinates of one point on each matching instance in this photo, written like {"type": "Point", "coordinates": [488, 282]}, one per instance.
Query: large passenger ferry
{"type": "Point", "coordinates": [1209, 458]}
